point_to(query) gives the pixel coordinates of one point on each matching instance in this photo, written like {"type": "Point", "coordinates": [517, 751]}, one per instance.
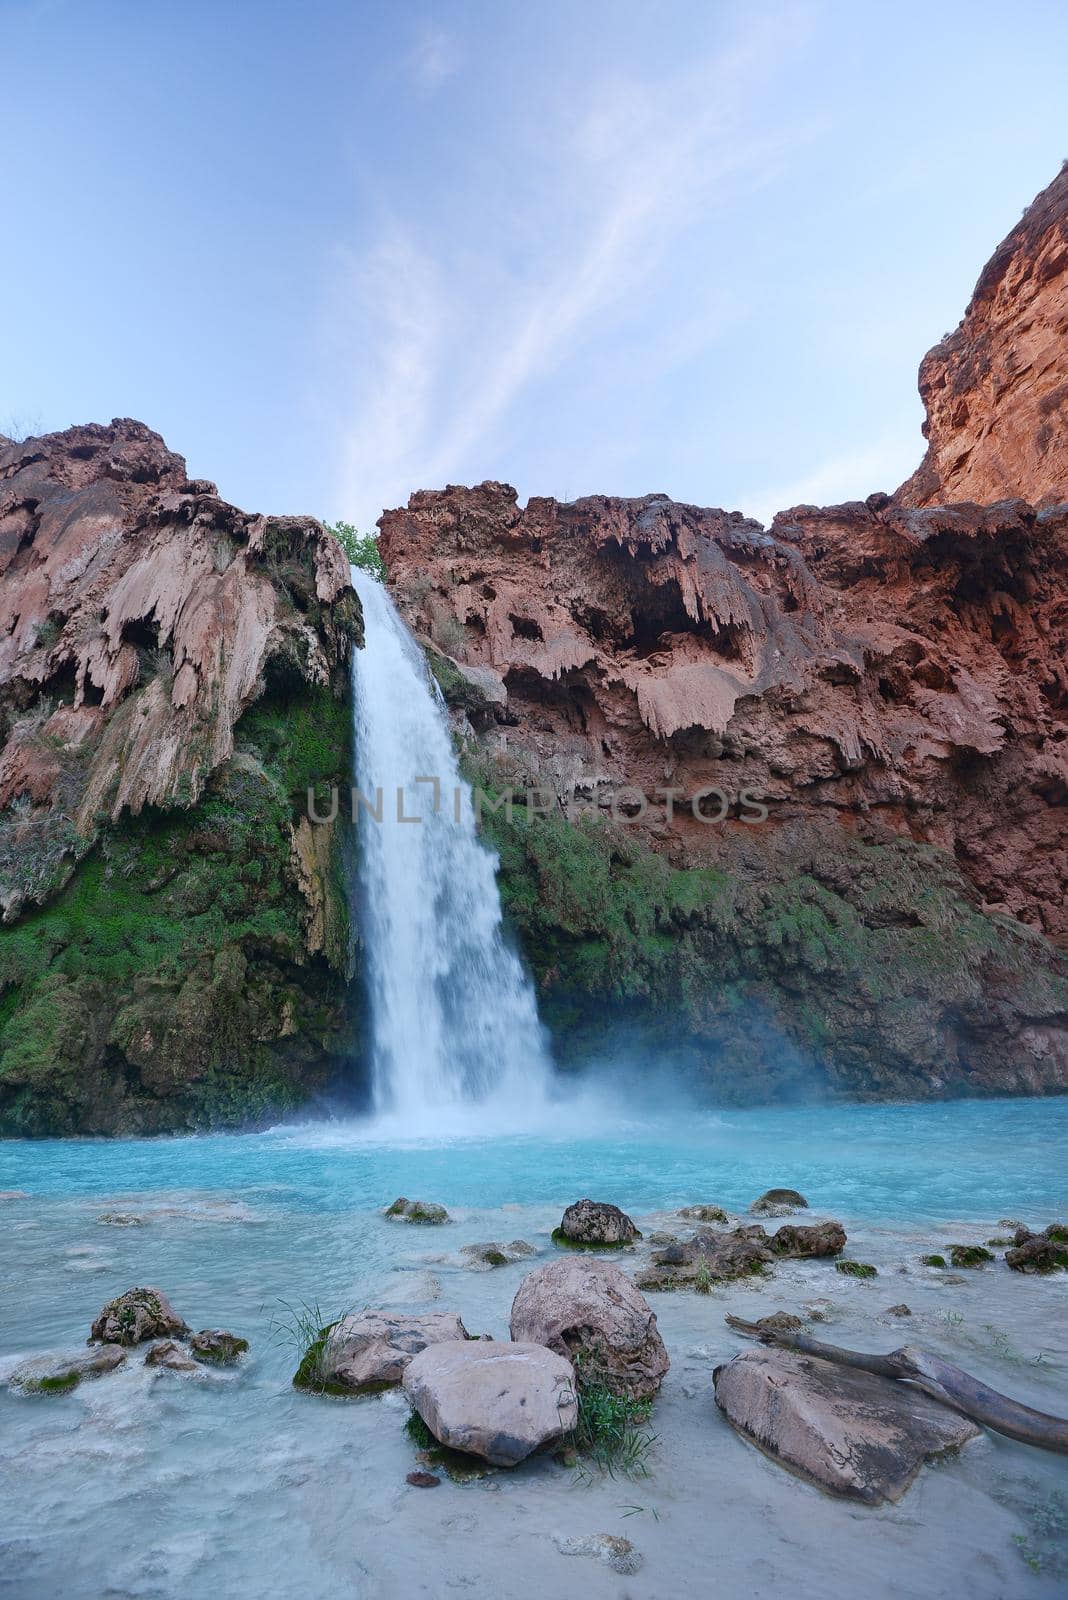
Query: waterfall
{"type": "Point", "coordinates": [453, 1019]}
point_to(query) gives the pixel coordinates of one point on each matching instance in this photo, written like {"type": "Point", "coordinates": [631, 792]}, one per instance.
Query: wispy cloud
{"type": "Point", "coordinates": [435, 56]}
{"type": "Point", "coordinates": [448, 345]}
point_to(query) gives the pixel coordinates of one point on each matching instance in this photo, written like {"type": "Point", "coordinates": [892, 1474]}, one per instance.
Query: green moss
{"type": "Point", "coordinates": [969, 1255]}
{"type": "Point", "coordinates": [168, 984]}
{"type": "Point", "coordinates": [565, 1242]}
{"type": "Point", "coordinates": [933, 1261]}
{"type": "Point", "coordinates": [856, 1269]}
{"type": "Point", "coordinates": [58, 1385]}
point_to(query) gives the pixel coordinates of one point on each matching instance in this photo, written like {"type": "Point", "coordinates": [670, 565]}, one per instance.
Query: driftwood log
{"type": "Point", "coordinates": [940, 1379]}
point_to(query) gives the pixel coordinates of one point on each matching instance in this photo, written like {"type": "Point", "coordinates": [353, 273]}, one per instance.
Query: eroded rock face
{"type": "Point", "coordinates": [849, 1432]}
{"type": "Point", "coordinates": [888, 681]}
{"type": "Point", "coordinates": [497, 1401]}
{"type": "Point", "coordinates": [996, 389]}
{"type": "Point", "coordinates": [591, 1312]}
{"type": "Point", "coordinates": [371, 1349]}
{"type": "Point", "coordinates": [173, 675]}
{"type": "Point", "coordinates": [136, 1315]}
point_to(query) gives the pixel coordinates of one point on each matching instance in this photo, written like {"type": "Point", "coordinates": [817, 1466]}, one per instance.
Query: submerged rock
{"type": "Point", "coordinates": [898, 1311]}
{"type": "Point", "coordinates": [704, 1214]}
{"type": "Point", "coordinates": [595, 1225]}
{"type": "Point", "coordinates": [369, 1350]}
{"type": "Point", "coordinates": [610, 1548]}
{"type": "Point", "coordinates": [122, 1219]}
{"type": "Point", "coordinates": [422, 1480]}
{"type": "Point", "coordinates": [172, 1356]}
{"type": "Point", "coordinates": [591, 1312]}
{"type": "Point", "coordinates": [483, 1257]}
{"type": "Point", "coordinates": [778, 1203]}
{"type": "Point", "coordinates": [418, 1211]}
{"type": "Point", "coordinates": [59, 1374]}
{"type": "Point", "coordinates": [494, 1400]}
{"type": "Point", "coordinates": [217, 1347]}
{"type": "Point", "coordinates": [849, 1432]}
{"type": "Point", "coordinates": [721, 1257]}
{"type": "Point", "coordinates": [856, 1269]}
{"type": "Point", "coordinates": [137, 1315]}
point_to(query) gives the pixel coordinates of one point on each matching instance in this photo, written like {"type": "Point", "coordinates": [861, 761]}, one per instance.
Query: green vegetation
{"type": "Point", "coordinates": [361, 550]}
{"type": "Point", "coordinates": [933, 1261]}
{"type": "Point", "coordinates": [856, 1269]}
{"type": "Point", "coordinates": [969, 1255]}
{"type": "Point", "coordinates": [168, 984]}
{"type": "Point", "coordinates": [305, 1329]}
{"type": "Point", "coordinates": [702, 1281]}
{"type": "Point", "coordinates": [611, 1433]}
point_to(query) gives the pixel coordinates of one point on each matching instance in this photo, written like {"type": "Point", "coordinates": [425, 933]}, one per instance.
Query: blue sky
{"type": "Point", "coordinates": [337, 252]}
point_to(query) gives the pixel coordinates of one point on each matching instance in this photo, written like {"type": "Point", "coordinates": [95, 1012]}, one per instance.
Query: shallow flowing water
{"type": "Point", "coordinates": [231, 1483]}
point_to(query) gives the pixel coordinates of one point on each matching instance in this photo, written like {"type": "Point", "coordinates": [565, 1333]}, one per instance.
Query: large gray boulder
{"type": "Point", "coordinates": [370, 1349]}
{"type": "Point", "coordinates": [849, 1432]}
{"type": "Point", "coordinates": [137, 1315]}
{"type": "Point", "coordinates": [498, 1401]}
{"type": "Point", "coordinates": [590, 1311]}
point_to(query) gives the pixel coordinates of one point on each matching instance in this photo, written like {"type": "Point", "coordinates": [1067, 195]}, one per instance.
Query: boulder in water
{"type": "Point", "coordinates": [849, 1432]}
{"type": "Point", "coordinates": [59, 1374]}
{"type": "Point", "coordinates": [1039, 1252]}
{"type": "Point", "coordinates": [704, 1214]}
{"type": "Point", "coordinates": [802, 1242]}
{"type": "Point", "coordinates": [778, 1203]}
{"type": "Point", "coordinates": [137, 1315]}
{"type": "Point", "coordinates": [591, 1312]}
{"type": "Point", "coordinates": [418, 1211]}
{"type": "Point", "coordinates": [170, 1356]}
{"type": "Point", "coordinates": [497, 1401]}
{"type": "Point", "coordinates": [708, 1258]}
{"type": "Point", "coordinates": [369, 1350]}
{"type": "Point", "coordinates": [217, 1347]}
{"type": "Point", "coordinates": [595, 1225]}
{"type": "Point", "coordinates": [969, 1255]}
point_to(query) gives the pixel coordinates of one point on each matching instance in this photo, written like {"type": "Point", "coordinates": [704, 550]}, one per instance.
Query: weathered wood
{"type": "Point", "coordinates": [940, 1379]}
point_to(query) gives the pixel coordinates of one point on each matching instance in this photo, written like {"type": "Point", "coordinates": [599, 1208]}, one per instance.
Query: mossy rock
{"type": "Point", "coordinates": [969, 1255]}
{"type": "Point", "coordinates": [856, 1269]}
{"type": "Point", "coordinates": [423, 1213]}
{"type": "Point", "coordinates": [933, 1261]}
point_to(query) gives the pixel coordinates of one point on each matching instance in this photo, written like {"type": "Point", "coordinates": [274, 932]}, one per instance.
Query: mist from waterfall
{"type": "Point", "coordinates": [454, 1027]}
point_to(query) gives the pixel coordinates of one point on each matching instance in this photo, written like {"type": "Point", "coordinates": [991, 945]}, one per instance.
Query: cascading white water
{"type": "Point", "coordinates": [453, 1016]}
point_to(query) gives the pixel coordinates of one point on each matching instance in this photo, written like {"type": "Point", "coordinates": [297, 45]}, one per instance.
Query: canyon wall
{"type": "Point", "coordinates": [175, 947]}
{"type": "Point", "coordinates": [887, 680]}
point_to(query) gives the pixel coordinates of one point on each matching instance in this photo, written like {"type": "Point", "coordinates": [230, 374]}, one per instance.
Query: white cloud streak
{"type": "Point", "coordinates": [440, 366]}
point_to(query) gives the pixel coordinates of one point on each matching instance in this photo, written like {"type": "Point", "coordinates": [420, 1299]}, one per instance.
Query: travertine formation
{"type": "Point", "coordinates": [996, 389]}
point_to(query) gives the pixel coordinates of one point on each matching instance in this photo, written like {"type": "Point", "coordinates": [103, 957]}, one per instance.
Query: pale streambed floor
{"type": "Point", "coordinates": [150, 1486]}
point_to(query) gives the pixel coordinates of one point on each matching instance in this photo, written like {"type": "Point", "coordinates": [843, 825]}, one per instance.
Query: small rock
{"type": "Point", "coordinates": [704, 1214]}
{"type": "Point", "coordinates": [422, 1480]}
{"type": "Point", "coordinates": [591, 1312]}
{"type": "Point", "coordinates": [856, 1269]}
{"type": "Point", "coordinates": [122, 1219]}
{"type": "Point", "coordinates": [174, 1357]}
{"type": "Point", "coordinates": [849, 1432]}
{"type": "Point", "coordinates": [498, 1401]}
{"type": "Point", "coordinates": [802, 1243]}
{"type": "Point", "coordinates": [969, 1255]}
{"type": "Point", "coordinates": [369, 1350]}
{"type": "Point", "coordinates": [780, 1322]}
{"type": "Point", "coordinates": [417, 1211]}
{"type": "Point", "coordinates": [898, 1311]}
{"type": "Point", "coordinates": [1036, 1252]}
{"type": "Point", "coordinates": [616, 1552]}
{"type": "Point", "coordinates": [59, 1374]}
{"type": "Point", "coordinates": [778, 1203]}
{"type": "Point", "coordinates": [483, 1257]}
{"type": "Point", "coordinates": [217, 1347]}
{"type": "Point", "coordinates": [595, 1224]}
{"type": "Point", "coordinates": [933, 1261]}
{"type": "Point", "coordinates": [137, 1315]}
{"type": "Point", "coordinates": [818, 1310]}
